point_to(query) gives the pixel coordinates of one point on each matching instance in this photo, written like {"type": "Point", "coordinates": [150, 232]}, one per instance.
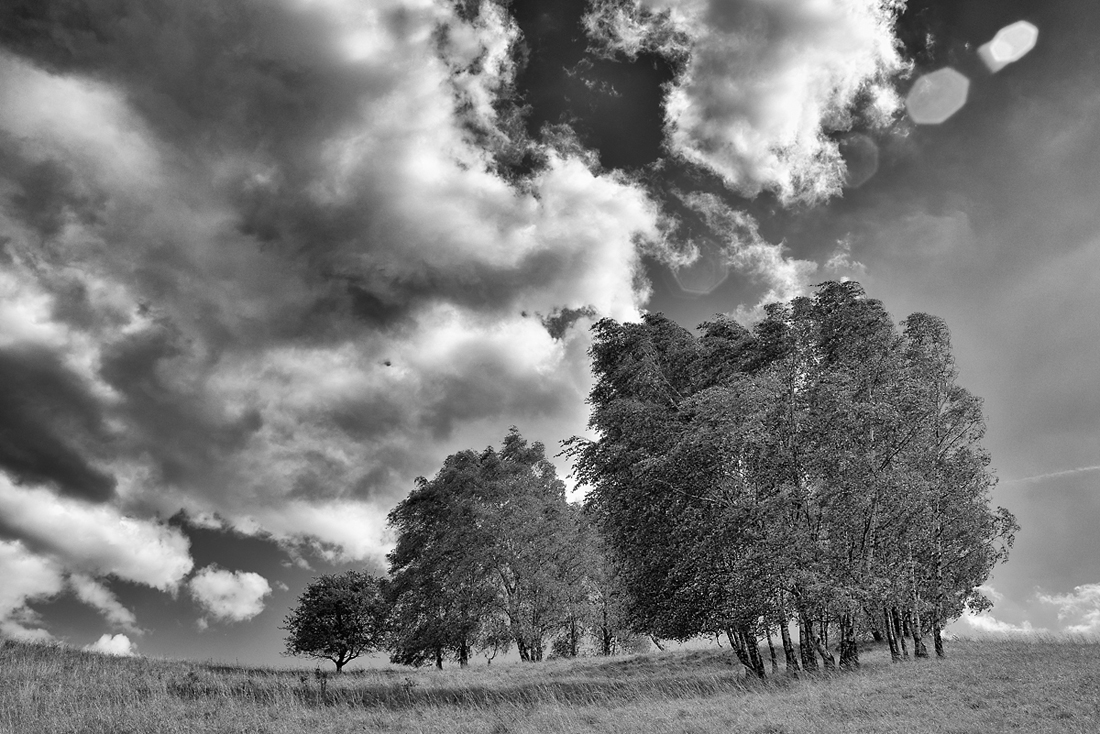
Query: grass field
{"type": "Point", "coordinates": [1024, 685]}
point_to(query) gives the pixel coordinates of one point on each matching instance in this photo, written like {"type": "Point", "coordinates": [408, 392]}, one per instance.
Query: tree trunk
{"type": "Point", "coordinates": [771, 651]}
{"type": "Point", "coordinates": [463, 654]}
{"type": "Point", "coordinates": [849, 650]}
{"type": "Point", "coordinates": [805, 647]}
{"type": "Point", "coordinates": [753, 646]}
{"type": "Point", "coordinates": [919, 650]}
{"type": "Point", "coordinates": [937, 639]}
{"type": "Point", "coordinates": [899, 632]}
{"type": "Point", "coordinates": [439, 658]}
{"type": "Point", "coordinates": [521, 647]}
{"type": "Point", "coordinates": [891, 638]}
{"type": "Point", "coordinates": [657, 642]}
{"type": "Point", "coordinates": [826, 657]}
{"type": "Point", "coordinates": [788, 646]}
{"type": "Point", "coordinates": [746, 653]}
{"type": "Point", "coordinates": [339, 665]}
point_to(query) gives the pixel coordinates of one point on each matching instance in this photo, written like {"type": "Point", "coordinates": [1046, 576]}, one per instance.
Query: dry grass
{"type": "Point", "coordinates": [1026, 685]}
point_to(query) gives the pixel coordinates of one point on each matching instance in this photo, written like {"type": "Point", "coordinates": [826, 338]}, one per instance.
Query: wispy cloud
{"type": "Point", "coordinates": [1053, 474]}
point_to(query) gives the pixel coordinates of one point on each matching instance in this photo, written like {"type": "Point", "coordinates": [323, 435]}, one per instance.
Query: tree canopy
{"type": "Point", "coordinates": [339, 617]}
{"type": "Point", "coordinates": [823, 467]}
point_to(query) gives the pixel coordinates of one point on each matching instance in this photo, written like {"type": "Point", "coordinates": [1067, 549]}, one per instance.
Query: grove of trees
{"type": "Point", "coordinates": [822, 471]}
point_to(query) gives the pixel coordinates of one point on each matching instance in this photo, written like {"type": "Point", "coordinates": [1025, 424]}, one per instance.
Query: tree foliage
{"type": "Point", "coordinates": [822, 468]}
{"type": "Point", "coordinates": [488, 544]}
{"type": "Point", "coordinates": [338, 618]}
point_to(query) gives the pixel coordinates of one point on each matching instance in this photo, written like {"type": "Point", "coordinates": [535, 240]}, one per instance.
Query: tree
{"type": "Point", "coordinates": [489, 541]}
{"type": "Point", "coordinates": [823, 468]}
{"type": "Point", "coordinates": [338, 618]}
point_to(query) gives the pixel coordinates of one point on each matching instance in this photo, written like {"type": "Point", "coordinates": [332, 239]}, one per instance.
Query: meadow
{"type": "Point", "coordinates": [1026, 685]}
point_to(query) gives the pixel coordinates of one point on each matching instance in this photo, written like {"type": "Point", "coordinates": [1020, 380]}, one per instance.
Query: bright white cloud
{"type": "Point", "coordinates": [26, 577]}
{"type": "Point", "coordinates": [1079, 608]}
{"type": "Point", "coordinates": [231, 596]}
{"type": "Point", "coordinates": [767, 78]}
{"type": "Point", "coordinates": [118, 645]}
{"type": "Point", "coordinates": [96, 595]}
{"type": "Point", "coordinates": [986, 623]}
{"type": "Point", "coordinates": [96, 539]}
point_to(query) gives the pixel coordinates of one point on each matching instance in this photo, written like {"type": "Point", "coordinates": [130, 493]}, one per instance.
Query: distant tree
{"type": "Point", "coordinates": [338, 617]}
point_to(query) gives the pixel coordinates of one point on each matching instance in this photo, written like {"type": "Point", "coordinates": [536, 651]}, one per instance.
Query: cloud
{"type": "Point", "coordinates": [1081, 608]}
{"type": "Point", "coordinates": [231, 596]}
{"type": "Point", "coordinates": [259, 264]}
{"type": "Point", "coordinates": [119, 645]}
{"type": "Point", "coordinates": [94, 539]}
{"type": "Point", "coordinates": [986, 623]}
{"type": "Point", "coordinates": [96, 595]}
{"type": "Point", "coordinates": [1053, 474]}
{"type": "Point", "coordinates": [767, 80]}
{"type": "Point", "coordinates": [27, 577]}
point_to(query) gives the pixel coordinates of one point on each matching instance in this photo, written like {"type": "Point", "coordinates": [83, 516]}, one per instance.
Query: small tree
{"type": "Point", "coordinates": [338, 617]}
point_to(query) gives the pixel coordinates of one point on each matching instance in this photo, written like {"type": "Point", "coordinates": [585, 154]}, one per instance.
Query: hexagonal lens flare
{"type": "Point", "coordinates": [1011, 43]}
{"type": "Point", "coordinates": [937, 96]}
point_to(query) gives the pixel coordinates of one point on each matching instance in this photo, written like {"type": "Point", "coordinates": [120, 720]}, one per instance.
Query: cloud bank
{"type": "Point", "coordinates": [258, 259]}
{"type": "Point", "coordinates": [766, 81]}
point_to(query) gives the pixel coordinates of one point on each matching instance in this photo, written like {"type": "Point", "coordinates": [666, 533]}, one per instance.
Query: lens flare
{"type": "Point", "coordinates": [709, 271]}
{"type": "Point", "coordinates": [860, 158]}
{"type": "Point", "coordinates": [1011, 43]}
{"type": "Point", "coordinates": [937, 96]}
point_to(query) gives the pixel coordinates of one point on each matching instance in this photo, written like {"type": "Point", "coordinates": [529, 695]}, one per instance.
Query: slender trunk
{"type": "Point", "coordinates": [771, 651]}
{"type": "Point", "coordinates": [439, 658]}
{"type": "Point", "coordinates": [849, 650]}
{"type": "Point", "coordinates": [746, 652]}
{"type": "Point", "coordinates": [937, 639]}
{"type": "Point", "coordinates": [919, 650]}
{"type": "Point", "coordinates": [815, 642]}
{"type": "Point", "coordinates": [657, 642]}
{"type": "Point", "coordinates": [788, 646]}
{"type": "Point", "coordinates": [805, 647]}
{"type": "Point", "coordinates": [521, 646]}
{"type": "Point", "coordinates": [891, 638]}
{"type": "Point", "coordinates": [753, 647]}
{"type": "Point", "coordinates": [463, 654]}
{"type": "Point", "coordinates": [899, 632]}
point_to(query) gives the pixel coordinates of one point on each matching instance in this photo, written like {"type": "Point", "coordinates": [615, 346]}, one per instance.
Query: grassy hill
{"type": "Point", "coordinates": [1025, 685]}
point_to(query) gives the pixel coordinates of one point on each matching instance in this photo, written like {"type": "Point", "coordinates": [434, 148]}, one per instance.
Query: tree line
{"type": "Point", "coordinates": [821, 470]}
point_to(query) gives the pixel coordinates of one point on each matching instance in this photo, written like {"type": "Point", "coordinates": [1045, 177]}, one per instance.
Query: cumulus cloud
{"type": "Point", "coordinates": [767, 80]}
{"type": "Point", "coordinates": [258, 260]}
{"type": "Point", "coordinates": [231, 596]}
{"type": "Point", "coordinates": [27, 577]}
{"type": "Point", "coordinates": [119, 645]}
{"type": "Point", "coordinates": [1079, 610]}
{"type": "Point", "coordinates": [96, 539]}
{"type": "Point", "coordinates": [96, 595]}
{"type": "Point", "coordinates": [986, 623]}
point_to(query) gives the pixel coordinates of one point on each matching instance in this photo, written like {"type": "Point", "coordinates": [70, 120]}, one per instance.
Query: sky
{"type": "Point", "coordinates": [264, 262]}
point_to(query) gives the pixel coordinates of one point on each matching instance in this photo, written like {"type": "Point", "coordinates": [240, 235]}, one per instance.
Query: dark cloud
{"type": "Point", "coordinates": [51, 428]}
{"type": "Point", "coordinates": [187, 437]}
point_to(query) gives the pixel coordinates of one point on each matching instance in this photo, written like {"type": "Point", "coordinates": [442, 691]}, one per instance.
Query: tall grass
{"type": "Point", "coordinates": [1027, 685]}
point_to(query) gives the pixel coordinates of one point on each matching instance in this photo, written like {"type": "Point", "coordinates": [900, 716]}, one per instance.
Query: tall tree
{"type": "Point", "coordinates": [801, 471]}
